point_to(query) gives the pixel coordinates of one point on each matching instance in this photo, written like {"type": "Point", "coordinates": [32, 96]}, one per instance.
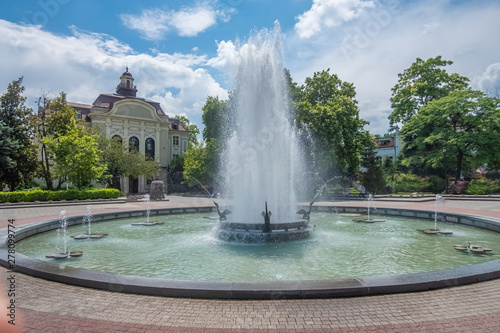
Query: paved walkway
{"type": "Point", "coordinates": [45, 306]}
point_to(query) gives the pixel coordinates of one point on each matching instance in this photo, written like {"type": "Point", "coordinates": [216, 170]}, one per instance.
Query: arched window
{"type": "Point", "coordinates": [128, 83]}
{"type": "Point", "coordinates": [133, 143]}
{"type": "Point", "coordinates": [117, 138]}
{"type": "Point", "coordinates": [150, 148]}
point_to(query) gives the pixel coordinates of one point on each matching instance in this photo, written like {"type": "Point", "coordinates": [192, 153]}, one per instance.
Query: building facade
{"type": "Point", "coordinates": [389, 148]}
{"type": "Point", "coordinates": [139, 123]}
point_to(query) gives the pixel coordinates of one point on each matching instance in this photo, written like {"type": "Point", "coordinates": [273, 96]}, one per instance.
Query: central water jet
{"type": "Point", "coordinates": [262, 155]}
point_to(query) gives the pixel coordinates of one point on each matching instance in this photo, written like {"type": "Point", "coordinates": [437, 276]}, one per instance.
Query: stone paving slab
{"type": "Point", "coordinates": [45, 306]}
{"type": "Point", "coordinates": [51, 307]}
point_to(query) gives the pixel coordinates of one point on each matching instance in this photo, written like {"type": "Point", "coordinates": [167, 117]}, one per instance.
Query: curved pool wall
{"type": "Point", "coordinates": [363, 286]}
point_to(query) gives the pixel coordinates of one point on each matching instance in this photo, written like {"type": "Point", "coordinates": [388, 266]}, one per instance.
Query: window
{"type": "Point", "coordinates": [175, 140]}
{"type": "Point", "coordinates": [117, 138]}
{"type": "Point", "coordinates": [128, 83]}
{"type": "Point", "coordinates": [150, 148]}
{"type": "Point", "coordinates": [133, 144]}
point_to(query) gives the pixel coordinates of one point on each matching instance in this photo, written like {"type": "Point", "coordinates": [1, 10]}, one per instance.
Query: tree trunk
{"type": "Point", "coordinates": [61, 180]}
{"type": "Point", "coordinates": [46, 169]}
{"type": "Point", "coordinates": [460, 158]}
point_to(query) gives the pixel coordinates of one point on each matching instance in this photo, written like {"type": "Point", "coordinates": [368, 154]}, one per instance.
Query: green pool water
{"type": "Point", "coordinates": [185, 248]}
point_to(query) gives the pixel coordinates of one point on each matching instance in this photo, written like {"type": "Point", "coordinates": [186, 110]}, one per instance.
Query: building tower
{"type": "Point", "coordinates": [126, 86]}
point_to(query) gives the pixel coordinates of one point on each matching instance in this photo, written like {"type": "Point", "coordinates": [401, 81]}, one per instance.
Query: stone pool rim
{"type": "Point", "coordinates": [363, 286]}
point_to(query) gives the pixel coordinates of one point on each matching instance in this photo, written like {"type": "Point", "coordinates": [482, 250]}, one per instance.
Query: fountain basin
{"type": "Point", "coordinates": [254, 232]}
{"type": "Point", "coordinates": [262, 289]}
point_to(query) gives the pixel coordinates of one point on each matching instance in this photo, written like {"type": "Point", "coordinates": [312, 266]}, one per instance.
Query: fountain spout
{"type": "Point", "coordinates": [222, 215]}
{"type": "Point", "coordinates": [267, 220]}
{"type": "Point", "coordinates": [306, 214]}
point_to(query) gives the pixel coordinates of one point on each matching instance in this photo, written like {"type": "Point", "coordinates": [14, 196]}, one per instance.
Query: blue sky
{"type": "Point", "coordinates": [182, 51]}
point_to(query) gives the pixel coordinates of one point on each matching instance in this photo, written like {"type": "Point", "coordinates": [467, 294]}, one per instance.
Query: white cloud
{"type": "Point", "coordinates": [86, 64]}
{"type": "Point", "coordinates": [155, 24]}
{"type": "Point", "coordinates": [329, 13]}
{"type": "Point", "coordinates": [191, 21]}
{"type": "Point", "coordinates": [152, 24]}
{"type": "Point", "coordinates": [227, 59]}
{"type": "Point", "coordinates": [489, 80]}
{"type": "Point", "coordinates": [385, 40]}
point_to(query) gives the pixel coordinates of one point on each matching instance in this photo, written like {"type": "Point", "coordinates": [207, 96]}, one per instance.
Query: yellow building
{"type": "Point", "coordinates": [139, 123]}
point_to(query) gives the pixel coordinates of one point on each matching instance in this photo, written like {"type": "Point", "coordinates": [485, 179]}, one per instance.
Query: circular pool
{"type": "Point", "coordinates": [182, 257]}
{"type": "Point", "coordinates": [185, 248]}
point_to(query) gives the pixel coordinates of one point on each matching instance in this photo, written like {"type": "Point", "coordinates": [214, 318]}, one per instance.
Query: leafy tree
{"type": "Point", "coordinates": [176, 165]}
{"type": "Point", "coordinates": [8, 151]}
{"type": "Point", "coordinates": [14, 116]}
{"type": "Point", "coordinates": [76, 156]}
{"type": "Point", "coordinates": [55, 118]}
{"type": "Point", "coordinates": [200, 163]}
{"type": "Point", "coordinates": [294, 90]}
{"type": "Point", "coordinates": [330, 111]}
{"type": "Point", "coordinates": [121, 162]}
{"type": "Point", "coordinates": [465, 122]}
{"type": "Point", "coordinates": [423, 82]}
{"type": "Point", "coordinates": [373, 179]}
{"type": "Point", "coordinates": [217, 118]}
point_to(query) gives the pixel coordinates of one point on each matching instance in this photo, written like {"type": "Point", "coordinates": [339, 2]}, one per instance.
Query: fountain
{"type": "Point", "coordinates": [439, 203]}
{"type": "Point", "coordinates": [86, 224]}
{"type": "Point", "coordinates": [262, 159]}
{"type": "Point", "coordinates": [371, 204]}
{"type": "Point", "coordinates": [148, 211]}
{"type": "Point", "coordinates": [63, 225]}
{"type": "Point", "coordinates": [262, 164]}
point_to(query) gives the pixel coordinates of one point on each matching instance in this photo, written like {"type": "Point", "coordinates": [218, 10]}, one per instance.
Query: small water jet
{"type": "Point", "coordinates": [439, 203]}
{"type": "Point", "coordinates": [63, 225]}
{"type": "Point", "coordinates": [148, 211]}
{"type": "Point", "coordinates": [371, 203]}
{"type": "Point", "coordinates": [86, 224]}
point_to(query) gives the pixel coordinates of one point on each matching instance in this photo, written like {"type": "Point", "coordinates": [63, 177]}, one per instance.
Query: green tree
{"type": "Point", "coordinates": [8, 151]}
{"type": "Point", "coordinates": [330, 111]}
{"type": "Point", "coordinates": [217, 118]}
{"type": "Point", "coordinates": [55, 118]}
{"type": "Point", "coordinates": [121, 162]}
{"type": "Point", "coordinates": [76, 156]}
{"type": "Point", "coordinates": [294, 91]}
{"type": "Point", "coordinates": [200, 164]}
{"type": "Point", "coordinates": [373, 179]}
{"type": "Point", "coordinates": [201, 161]}
{"type": "Point", "coordinates": [423, 82]}
{"type": "Point", "coordinates": [465, 122]}
{"type": "Point", "coordinates": [15, 116]}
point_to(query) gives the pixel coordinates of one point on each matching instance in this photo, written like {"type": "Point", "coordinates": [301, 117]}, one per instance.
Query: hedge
{"type": "Point", "coordinates": [39, 195]}
{"type": "Point", "coordinates": [482, 186]}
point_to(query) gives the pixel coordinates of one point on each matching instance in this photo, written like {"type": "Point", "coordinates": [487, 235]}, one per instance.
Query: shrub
{"type": "Point", "coordinates": [436, 184]}
{"type": "Point", "coordinates": [457, 187]}
{"type": "Point", "coordinates": [406, 182]}
{"type": "Point", "coordinates": [482, 186]}
{"type": "Point", "coordinates": [73, 194]}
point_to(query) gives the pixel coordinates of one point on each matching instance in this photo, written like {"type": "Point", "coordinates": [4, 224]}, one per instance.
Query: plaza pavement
{"type": "Point", "coordinates": [46, 306]}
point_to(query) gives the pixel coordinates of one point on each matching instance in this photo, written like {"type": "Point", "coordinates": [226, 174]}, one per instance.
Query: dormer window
{"type": "Point", "coordinates": [175, 126]}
